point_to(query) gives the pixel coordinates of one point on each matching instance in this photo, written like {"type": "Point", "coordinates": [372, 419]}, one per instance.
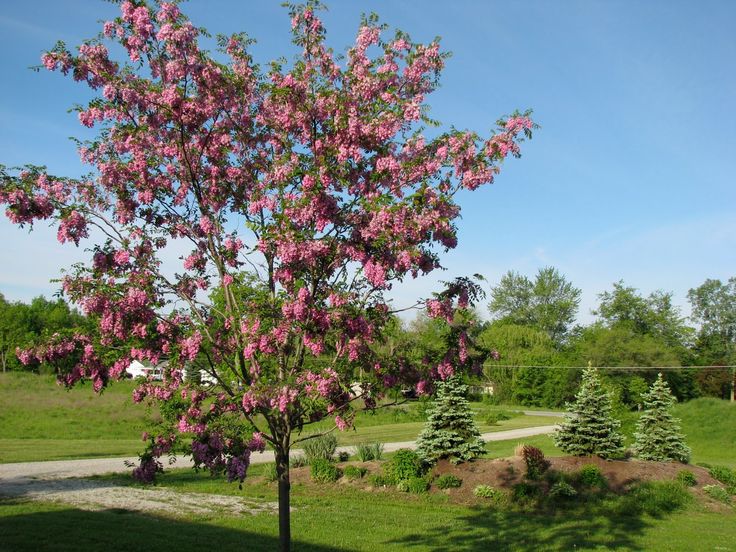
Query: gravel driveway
{"type": "Point", "coordinates": [57, 481]}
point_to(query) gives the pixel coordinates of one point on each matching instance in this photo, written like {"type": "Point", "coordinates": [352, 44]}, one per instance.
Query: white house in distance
{"type": "Point", "coordinates": [138, 369]}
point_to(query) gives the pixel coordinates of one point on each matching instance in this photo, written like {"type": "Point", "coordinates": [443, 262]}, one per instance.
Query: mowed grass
{"type": "Point", "coordinates": [39, 420]}
{"type": "Point", "coordinates": [709, 426]}
{"type": "Point", "coordinates": [340, 518]}
{"type": "Point", "coordinates": [410, 430]}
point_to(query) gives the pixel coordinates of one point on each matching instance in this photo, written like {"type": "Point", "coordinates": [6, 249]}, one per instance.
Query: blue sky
{"type": "Point", "coordinates": [630, 177]}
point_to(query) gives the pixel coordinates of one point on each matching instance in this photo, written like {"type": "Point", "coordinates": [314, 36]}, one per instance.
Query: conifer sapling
{"type": "Point", "coordinates": [450, 431]}
{"type": "Point", "coordinates": [589, 426]}
{"type": "Point", "coordinates": [658, 435]}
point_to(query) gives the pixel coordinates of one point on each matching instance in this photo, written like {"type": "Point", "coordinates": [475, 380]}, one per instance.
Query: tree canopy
{"type": "Point", "coordinates": [316, 176]}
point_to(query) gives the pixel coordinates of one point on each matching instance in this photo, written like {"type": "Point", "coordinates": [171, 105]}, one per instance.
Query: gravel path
{"type": "Point", "coordinates": [54, 481]}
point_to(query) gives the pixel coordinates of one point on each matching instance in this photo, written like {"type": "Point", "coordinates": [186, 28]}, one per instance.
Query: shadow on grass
{"type": "Point", "coordinates": [488, 529]}
{"type": "Point", "coordinates": [27, 526]}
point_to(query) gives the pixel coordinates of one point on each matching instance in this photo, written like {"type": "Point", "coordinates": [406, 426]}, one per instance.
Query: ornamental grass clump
{"type": "Point", "coordinates": [369, 451]}
{"type": "Point", "coordinates": [320, 447]}
{"type": "Point", "coordinates": [658, 436]}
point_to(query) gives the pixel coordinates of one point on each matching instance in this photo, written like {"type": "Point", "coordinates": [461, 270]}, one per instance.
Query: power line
{"type": "Point", "coordinates": [619, 368]}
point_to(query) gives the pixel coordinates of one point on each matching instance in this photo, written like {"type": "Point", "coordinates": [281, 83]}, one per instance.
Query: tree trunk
{"type": "Point", "coordinates": [282, 471]}
{"type": "Point", "coordinates": [733, 384]}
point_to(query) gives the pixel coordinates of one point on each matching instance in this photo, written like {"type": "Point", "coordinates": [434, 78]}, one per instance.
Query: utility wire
{"type": "Point", "coordinates": [620, 368]}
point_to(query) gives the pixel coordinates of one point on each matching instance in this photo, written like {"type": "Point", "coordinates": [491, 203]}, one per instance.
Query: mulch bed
{"type": "Point", "coordinates": [504, 473]}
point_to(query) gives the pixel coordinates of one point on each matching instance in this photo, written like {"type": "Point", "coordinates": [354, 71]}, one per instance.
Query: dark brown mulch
{"type": "Point", "coordinates": [504, 473]}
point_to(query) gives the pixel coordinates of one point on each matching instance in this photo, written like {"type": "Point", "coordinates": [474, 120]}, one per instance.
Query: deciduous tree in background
{"type": "Point", "coordinates": [549, 303]}
{"type": "Point", "coordinates": [315, 177]}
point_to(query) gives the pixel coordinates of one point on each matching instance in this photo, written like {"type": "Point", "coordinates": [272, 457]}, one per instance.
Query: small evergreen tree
{"type": "Point", "coordinates": [450, 431]}
{"type": "Point", "coordinates": [589, 426]}
{"type": "Point", "coordinates": [658, 434]}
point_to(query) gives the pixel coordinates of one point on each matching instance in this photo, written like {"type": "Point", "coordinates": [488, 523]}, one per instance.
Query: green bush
{"type": "Point", "coordinates": [492, 417]}
{"type": "Point", "coordinates": [655, 498]}
{"type": "Point", "coordinates": [590, 475]}
{"type": "Point", "coordinates": [369, 451]}
{"type": "Point", "coordinates": [687, 478]}
{"type": "Point", "coordinates": [343, 456]}
{"type": "Point", "coordinates": [322, 447]}
{"type": "Point", "coordinates": [717, 492]}
{"type": "Point", "coordinates": [562, 489]}
{"type": "Point", "coordinates": [725, 475]}
{"type": "Point", "coordinates": [324, 471]}
{"type": "Point", "coordinates": [376, 480]}
{"type": "Point", "coordinates": [486, 491]}
{"type": "Point", "coordinates": [448, 481]}
{"type": "Point", "coordinates": [415, 485]}
{"type": "Point", "coordinates": [525, 491]}
{"type": "Point", "coordinates": [269, 472]}
{"type": "Point", "coordinates": [354, 472]}
{"type": "Point", "coordinates": [405, 464]}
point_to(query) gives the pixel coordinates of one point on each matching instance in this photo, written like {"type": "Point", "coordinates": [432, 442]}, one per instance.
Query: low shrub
{"type": "Point", "coordinates": [718, 493]}
{"type": "Point", "coordinates": [525, 491]}
{"type": "Point", "coordinates": [536, 463]}
{"type": "Point", "coordinates": [492, 417]}
{"type": "Point", "coordinates": [448, 481]}
{"type": "Point", "coordinates": [405, 464]}
{"type": "Point", "coordinates": [687, 478]}
{"type": "Point", "coordinates": [322, 447]}
{"type": "Point", "coordinates": [324, 471]}
{"type": "Point", "coordinates": [486, 491]}
{"type": "Point", "coordinates": [725, 475]}
{"type": "Point", "coordinates": [561, 490]}
{"type": "Point", "coordinates": [369, 451]}
{"type": "Point", "coordinates": [269, 472]}
{"type": "Point", "coordinates": [590, 475]}
{"type": "Point", "coordinates": [354, 472]}
{"type": "Point", "coordinates": [376, 480]}
{"type": "Point", "coordinates": [343, 456]}
{"type": "Point", "coordinates": [415, 485]}
{"type": "Point", "coordinates": [655, 498]}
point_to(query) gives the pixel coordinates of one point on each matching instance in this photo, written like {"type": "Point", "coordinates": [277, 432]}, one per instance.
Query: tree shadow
{"type": "Point", "coordinates": [60, 528]}
{"type": "Point", "coordinates": [485, 528]}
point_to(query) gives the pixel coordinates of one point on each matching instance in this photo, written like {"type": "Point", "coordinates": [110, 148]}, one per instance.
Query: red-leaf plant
{"type": "Point", "coordinates": [315, 178]}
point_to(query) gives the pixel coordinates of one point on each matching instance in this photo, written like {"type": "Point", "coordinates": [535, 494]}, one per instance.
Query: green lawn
{"type": "Point", "coordinates": [41, 421]}
{"type": "Point", "coordinates": [410, 430]}
{"type": "Point", "coordinates": [340, 518]}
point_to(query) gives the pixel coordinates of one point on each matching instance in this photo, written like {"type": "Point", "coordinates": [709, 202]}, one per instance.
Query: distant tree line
{"type": "Point", "coordinates": [22, 325]}
{"type": "Point", "coordinates": [532, 350]}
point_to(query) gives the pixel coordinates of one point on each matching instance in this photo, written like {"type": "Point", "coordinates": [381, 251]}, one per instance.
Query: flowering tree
{"type": "Point", "coordinates": [314, 179]}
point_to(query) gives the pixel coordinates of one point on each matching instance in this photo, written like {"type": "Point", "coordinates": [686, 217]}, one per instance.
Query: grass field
{"type": "Point", "coordinates": [341, 518]}
{"type": "Point", "coordinates": [41, 421]}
